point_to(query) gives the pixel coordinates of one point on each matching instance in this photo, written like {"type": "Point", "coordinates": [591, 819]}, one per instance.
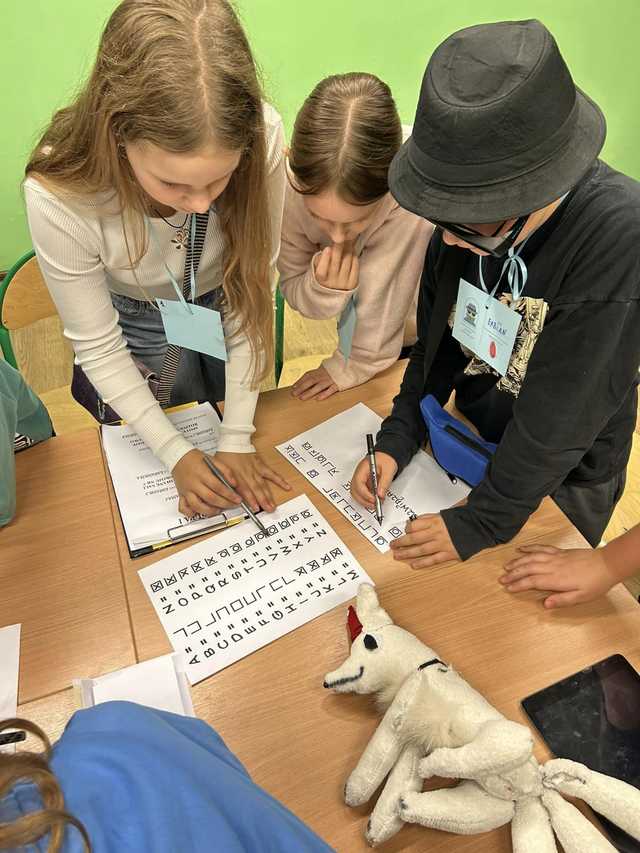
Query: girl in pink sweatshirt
{"type": "Point", "coordinates": [348, 250]}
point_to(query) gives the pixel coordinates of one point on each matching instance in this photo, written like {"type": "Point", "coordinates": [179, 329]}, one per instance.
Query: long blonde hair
{"type": "Point", "coordinates": [345, 137]}
{"type": "Point", "coordinates": [34, 767]}
{"type": "Point", "coordinates": [178, 74]}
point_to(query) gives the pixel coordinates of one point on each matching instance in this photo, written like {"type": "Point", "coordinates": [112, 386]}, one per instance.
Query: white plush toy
{"type": "Point", "coordinates": [437, 725]}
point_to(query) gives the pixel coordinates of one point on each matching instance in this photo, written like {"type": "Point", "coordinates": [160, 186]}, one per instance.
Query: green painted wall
{"type": "Point", "coordinates": [48, 45]}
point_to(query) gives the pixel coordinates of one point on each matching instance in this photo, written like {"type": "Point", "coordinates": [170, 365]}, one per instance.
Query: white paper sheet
{"type": "Point", "coordinates": [328, 454]}
{"type": "Point", "coordinates": [9, 671]}
{"type": "Point", "coordinates": [145, 490]}
{"type": "Point", "coordinates": [233, 593]}
{"type": "Point", "coordinates": [158, 683]}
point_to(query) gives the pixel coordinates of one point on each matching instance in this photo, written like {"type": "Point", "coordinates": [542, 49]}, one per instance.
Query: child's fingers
{"type": "Point", "coordinates": [524, 571]}
{"type": "Point", "coordinates": [345, 269]}
{"type": "Point", "coordinates": [361, 485]}
{"type": "Point", "coordinates": [311, 392]}
{"type": "Point", "coordinates": [541, 560]}
{"type": "Point", "coordinates": [328, 392]}
{"type": "Point", "coordinates": [322, 264]}
{"type": "Point", "coordinates": [563, 599]}
{"type": "Point", "coordinates": [303, 383]}
{"type": "Point", "coordinates": [352, 281]}
{"type": "Point", "coordinates": [528, 582]}
{"type": "Point", "coordinates": [538, 549]}
{"type": "Point", "coordinates": [336, 261]}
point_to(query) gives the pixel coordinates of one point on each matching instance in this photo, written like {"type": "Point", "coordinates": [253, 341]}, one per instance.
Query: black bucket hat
{"type": "Point", "coordinates": [501, 129]}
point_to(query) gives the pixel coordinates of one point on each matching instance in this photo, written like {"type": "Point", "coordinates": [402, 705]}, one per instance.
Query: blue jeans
{"type": "Point", "coordinates": [199, 377]}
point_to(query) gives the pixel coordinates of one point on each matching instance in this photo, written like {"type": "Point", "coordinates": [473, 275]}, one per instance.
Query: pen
{"type": "Point", "coordinates": [218, 473]}
{"type": "Point", "coordinates": [374, 477]}
{"type": "Point", "coordinates": [12, 737]}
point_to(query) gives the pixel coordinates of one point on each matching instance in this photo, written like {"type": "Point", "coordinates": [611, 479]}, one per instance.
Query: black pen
{"type": "Point", "coordinates": [374, 477]}
{"type": "Point", "coordinates": [218, 473]}
{"type": "Point", "coordinates": [12, 737]}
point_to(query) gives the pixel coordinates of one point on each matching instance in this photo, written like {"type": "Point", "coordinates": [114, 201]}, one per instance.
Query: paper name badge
{"type": "Point", "coordinates": [485, 326]}
{"type": "Point", "coordinates": [193, 327]}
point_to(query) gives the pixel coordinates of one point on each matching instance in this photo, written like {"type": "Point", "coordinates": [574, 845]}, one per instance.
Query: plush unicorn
{"type": "Point", "coordinates": [435, 724]}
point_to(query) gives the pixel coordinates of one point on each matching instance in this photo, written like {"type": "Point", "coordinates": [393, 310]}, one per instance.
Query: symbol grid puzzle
{"type": "Point", "coordinates": [233, 593]}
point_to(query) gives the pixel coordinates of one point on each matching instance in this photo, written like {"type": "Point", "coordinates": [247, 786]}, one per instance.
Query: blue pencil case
{"type": "Point", "coordinates": [459, 451]}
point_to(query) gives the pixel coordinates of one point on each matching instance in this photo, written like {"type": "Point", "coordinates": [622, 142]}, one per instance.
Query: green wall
{"type": "Point", "coordinates": [48, 45]}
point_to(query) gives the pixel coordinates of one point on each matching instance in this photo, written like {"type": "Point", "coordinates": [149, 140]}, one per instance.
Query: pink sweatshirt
{"type": "Point", "coordinates": [391, 253]}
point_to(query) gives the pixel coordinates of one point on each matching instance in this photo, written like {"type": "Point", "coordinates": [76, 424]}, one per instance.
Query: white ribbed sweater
{"type": "Point", "coordinates": [83, 257]}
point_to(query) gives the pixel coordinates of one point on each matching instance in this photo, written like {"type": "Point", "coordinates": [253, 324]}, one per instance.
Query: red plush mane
{"type": "Point", "coordinates": [353, 624]}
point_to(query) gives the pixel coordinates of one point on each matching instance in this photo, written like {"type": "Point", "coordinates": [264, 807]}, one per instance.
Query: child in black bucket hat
{"type": "Point", "coordinates": [504, 160]}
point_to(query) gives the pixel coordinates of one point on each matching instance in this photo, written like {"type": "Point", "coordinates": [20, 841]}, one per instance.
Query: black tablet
{"type": "Point", "coordinates": [593, 717]}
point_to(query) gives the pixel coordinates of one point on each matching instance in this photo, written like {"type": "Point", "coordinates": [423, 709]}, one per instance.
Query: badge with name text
{"type": "Point", "coordinates": [485, 326]}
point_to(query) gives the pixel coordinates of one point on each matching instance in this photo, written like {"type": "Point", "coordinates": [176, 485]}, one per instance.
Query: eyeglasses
{"type": "Point", "coordinates": [495, 245]}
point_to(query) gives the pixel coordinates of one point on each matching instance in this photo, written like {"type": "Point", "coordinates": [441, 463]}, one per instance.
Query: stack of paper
{"type": "Point", "coordinates": [158, 683]}
{"type": "Point", "coordinates": [145, 490]}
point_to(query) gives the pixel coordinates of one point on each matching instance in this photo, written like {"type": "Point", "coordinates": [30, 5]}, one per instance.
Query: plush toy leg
{"type": "Point", "coordinates": [499, 746]}
{"type": "Point", "coordinates": [466, 809]}
{"type": "Point", "coordinates": [616, 800]}
{"type": "Point", "coordinates": [384, 821]}
{"type": "Point", "coordinates": [376, 761]}
{"type": "Point", "coordinates": [574, 831]}
{"type": "Point", "coordinates": [531, 828]}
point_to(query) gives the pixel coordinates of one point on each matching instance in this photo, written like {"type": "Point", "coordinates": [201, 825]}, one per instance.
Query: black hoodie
{"type": "Point", "coordinates": [573, 415]}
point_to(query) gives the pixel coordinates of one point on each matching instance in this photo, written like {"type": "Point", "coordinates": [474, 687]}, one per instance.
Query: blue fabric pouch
{"type": "Point", "coordinates": [455, 448]}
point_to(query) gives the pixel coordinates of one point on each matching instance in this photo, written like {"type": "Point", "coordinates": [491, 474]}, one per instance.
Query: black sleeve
{"type": "Point", "coordinates": [583, 366]}
{"type": "Point", "coordinates": [403, 432]}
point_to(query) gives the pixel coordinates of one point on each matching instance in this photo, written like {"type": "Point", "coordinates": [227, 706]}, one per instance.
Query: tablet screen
{"type": "Point", "coordinates": [593, 717]}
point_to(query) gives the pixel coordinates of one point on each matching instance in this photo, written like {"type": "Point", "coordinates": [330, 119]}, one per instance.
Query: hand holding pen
{"type": "Point", "coordinates": [363, 488]}
{"type": "Point", "coordinates": [218, 473]}
{"type": "Point", "coordinates": [204, 493]}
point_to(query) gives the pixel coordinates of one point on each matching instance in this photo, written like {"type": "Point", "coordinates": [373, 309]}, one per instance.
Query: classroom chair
{"type": "Point", "coordinates": [31, 340]}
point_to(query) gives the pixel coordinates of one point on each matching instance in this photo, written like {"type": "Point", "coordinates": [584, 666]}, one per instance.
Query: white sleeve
{"type": "Point", "coordinates": [69, 259]}
{"type": "Point", "coordinates": [240, 398]}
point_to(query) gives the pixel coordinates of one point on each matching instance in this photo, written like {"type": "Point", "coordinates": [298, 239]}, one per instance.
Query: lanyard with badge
{"type": "Point", "coordinates": [348, 319]}
{"type": "Point", "coordinates": [186, 324]}
{"type": "Point", "coordinates": [485, 325]}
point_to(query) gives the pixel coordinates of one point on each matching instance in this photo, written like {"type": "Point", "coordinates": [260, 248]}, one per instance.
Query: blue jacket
{"type": "Point", "coordinates": [144, 780]}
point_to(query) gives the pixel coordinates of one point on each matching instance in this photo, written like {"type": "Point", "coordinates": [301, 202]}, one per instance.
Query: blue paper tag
{"type": "Point", "coordinates": [346, 327]}
{"type": "Point", "coordinates": [193, 327]}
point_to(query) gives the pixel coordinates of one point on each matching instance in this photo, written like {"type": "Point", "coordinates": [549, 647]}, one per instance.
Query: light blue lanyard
{"type": "Point", "coordinates": [176, 287]}
{"type": "Point", "coordinates": [516, 272]}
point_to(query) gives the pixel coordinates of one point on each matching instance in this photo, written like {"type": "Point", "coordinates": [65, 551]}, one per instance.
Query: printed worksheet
{"type": "Point", "coordinates": [145, 490]}
{"type": "Point", "coordinates": [233, 593]}
{"type": "Point", "coordinates": [327, 456]}
{"type": "Point", "coordinates": [9, 670]}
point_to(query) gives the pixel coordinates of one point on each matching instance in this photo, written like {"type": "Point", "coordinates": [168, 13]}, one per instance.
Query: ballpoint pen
{"type": "Point", "coordinates": [374, 477]}
{"type": "Point", "coordinates": [218, 473]}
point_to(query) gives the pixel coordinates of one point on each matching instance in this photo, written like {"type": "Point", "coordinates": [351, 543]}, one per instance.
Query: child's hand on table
{"type": "Point", "coordinates": [314, 383]}
{"type": "Point", "coordinates": [574, 576]}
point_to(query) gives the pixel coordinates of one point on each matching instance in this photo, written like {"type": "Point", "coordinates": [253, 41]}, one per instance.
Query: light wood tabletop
{"type": "Point", "coordinates": [60, 573]}
{"type": "Point", "coordinates": [299, 741]}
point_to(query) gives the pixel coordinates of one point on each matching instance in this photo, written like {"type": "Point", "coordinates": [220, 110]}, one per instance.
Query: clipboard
{"type": "Point", "coordinates": [150, 537]}
{"type": "Point", "coordinates": [192, 530]}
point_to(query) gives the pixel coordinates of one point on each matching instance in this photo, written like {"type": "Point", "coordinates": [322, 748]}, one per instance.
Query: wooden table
{"type": "Point", "coordinates": [60, 573]}
{"type": "Point", "coordinates": [301, 742]}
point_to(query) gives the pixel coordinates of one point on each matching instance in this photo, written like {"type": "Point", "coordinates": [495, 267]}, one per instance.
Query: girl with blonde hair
{"type": "Point", "coordinates": [348, 249]}
{"type": "Point", "coordinates": [124, 778]}
{"type": "Point", "coordinates": [155, 203]}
